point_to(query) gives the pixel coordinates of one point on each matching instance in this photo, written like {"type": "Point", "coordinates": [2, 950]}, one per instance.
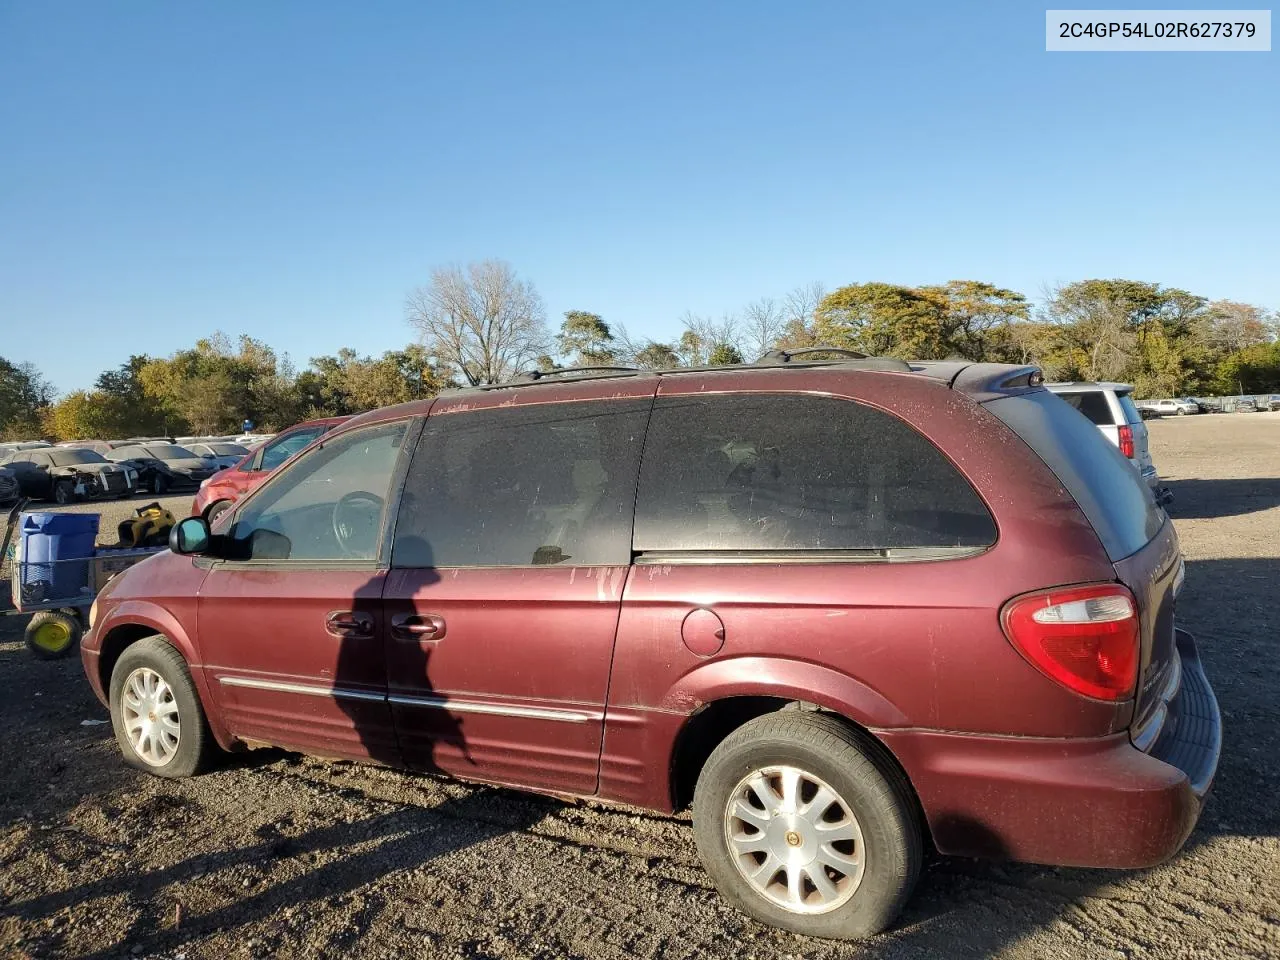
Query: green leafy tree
{"type": "Point", "coordinates": [883, 319]}
{"type": "Point", "coordinates": [348, 383]}
{"type": "Point", "coordinates": [211, 388]}
{"type": "Point", "coordinates": [1108, 321]}
{"type": "Point", "coordinates": [24, 395]}
{"type": "Point", "coordinates": [586, 340]}
{"type": "Point", "coordinates": [723, 354]}
{"type": "Point", "coordinates": [657, 356]}
{"type": "Point", "coordinates": [976, 317]}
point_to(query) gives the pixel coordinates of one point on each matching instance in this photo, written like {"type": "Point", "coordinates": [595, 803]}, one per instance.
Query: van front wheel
{"type": "Point", "coordinates": [805, 828]}
{"type": "Point", "coordinates": [156, 712]}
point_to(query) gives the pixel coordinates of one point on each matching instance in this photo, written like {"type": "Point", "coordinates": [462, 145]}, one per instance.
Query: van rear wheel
{"type": "Point", "coordinates": [804, 827]}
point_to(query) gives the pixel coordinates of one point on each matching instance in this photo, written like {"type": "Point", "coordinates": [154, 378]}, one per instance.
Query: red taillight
{"type": "Point", "coordinates": [1085, 638]}
{"type": "Point", "coordinates": [1126, 440]}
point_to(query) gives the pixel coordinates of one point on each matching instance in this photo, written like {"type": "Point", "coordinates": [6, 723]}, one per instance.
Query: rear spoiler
{"type": "Point", "coordinates": [984, 381]}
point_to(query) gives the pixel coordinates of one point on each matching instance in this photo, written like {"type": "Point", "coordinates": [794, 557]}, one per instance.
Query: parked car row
{"type": "Point", "coordinates": [100, 469]}
{"type": "Point", "coordinates": [1182, 406]}
{"type": "Point", "coordinates": [65, 475]}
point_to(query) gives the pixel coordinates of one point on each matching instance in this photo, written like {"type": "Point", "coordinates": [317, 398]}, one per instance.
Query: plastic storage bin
{"type": "Point", "coordinates": [49, 541]}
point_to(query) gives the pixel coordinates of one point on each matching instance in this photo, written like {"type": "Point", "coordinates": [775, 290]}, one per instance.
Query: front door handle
{"type": "Point", "coordinates": [417, 626]}
{"type": "Point", "coordinates": [349, 623]}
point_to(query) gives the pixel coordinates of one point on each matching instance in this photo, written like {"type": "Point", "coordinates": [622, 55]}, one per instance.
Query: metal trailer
{"type": "Point", "coordinates": [58, 622]}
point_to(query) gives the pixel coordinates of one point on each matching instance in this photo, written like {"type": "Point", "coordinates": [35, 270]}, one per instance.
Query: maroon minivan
{"type": "Point", "coordinates": [842, 608]}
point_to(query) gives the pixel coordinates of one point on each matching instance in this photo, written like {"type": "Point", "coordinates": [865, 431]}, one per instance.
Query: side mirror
{"type": "Point", "coordinates": [190, 536]}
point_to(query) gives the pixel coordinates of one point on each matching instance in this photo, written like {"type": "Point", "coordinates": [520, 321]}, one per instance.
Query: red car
{"type": "Point", "coordinates": [843, 609]}
{"type": "Point", "coordinates": [227, 486]}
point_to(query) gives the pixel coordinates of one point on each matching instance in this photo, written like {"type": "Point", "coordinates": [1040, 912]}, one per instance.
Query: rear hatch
{"type": "Point", "coordinates": [1134, 530]}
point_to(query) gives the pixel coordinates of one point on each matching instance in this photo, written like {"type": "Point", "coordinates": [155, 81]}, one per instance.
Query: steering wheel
{"type": "Point", "coordinates": [356, 516]}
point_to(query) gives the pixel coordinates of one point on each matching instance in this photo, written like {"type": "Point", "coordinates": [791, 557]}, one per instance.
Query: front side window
{"type": "Point", "coordinates": [278, 451]}
{"type": "Point", "coordinates": [328, 506]}
{"type": "Point", "coordinates": [752, 472]}
{"type": "Point", "coordinates": [544, 484]}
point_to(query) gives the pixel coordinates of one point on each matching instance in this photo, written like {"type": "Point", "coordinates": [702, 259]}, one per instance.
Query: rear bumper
{"type": "Point", "coordinates": [1084, 803]}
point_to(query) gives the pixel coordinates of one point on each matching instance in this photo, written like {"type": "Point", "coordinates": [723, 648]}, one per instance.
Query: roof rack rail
{"type": "Point", "coordinates": [578, 373]}
{"type": "Point", "coordinates": [786, 356]}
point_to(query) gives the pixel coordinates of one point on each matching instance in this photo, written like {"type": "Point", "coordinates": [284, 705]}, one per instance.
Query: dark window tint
{"type": "Point", "coordinates": [281, 449]}
{"type": "Point", "coordinates": [170, 451]}
{"type": "Point", "coordinates": [552, 483]}
{"type": "Point", "coordinates": [1105, 485]}
{"type": "Point", "coordinates": [328, 505]}
{"type": "Point", "coordinates": [1093, 404]}
{"type": "Point", "coordinates": [1131, 413]}
{"type": "Point", "coordinates": [768, 472]}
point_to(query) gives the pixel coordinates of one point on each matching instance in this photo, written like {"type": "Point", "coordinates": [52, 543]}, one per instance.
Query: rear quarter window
{"type": "Point", "coordinates": [752, 472]}
{"type": "Point", "coordinates": [1107, 488]}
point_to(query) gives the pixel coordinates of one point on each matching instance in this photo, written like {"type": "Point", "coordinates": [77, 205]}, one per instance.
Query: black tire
{"type": "Point", "coordinates": [195, 744]}
{"type": "Point", "coordinates": [873, 789]}
{"type": "Point", "coordinates": [53, 634]}
{"type": "Point", "coordinates": [159, 484]}
{"type": "Point", "coordinates": [1182, 413]}
{"type": "Point", "coordinates": [64, 492]}
{"type": "Point", "coordinates": [217, 509]}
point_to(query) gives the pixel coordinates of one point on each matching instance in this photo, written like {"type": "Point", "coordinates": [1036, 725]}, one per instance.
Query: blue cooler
{"type": "Point", "coordinates": [48, 538]}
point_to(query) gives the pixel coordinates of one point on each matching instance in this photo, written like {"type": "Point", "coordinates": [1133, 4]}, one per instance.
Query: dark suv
{"type": "Point", "coordinates": [842, 609]}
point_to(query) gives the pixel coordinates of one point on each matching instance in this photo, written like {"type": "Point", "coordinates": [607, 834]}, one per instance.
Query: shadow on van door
{"type": "Point", "coordinates": [408, 657]}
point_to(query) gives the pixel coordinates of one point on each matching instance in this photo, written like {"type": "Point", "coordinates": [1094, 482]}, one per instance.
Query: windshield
{"type": "Point", "coordinates": [68, 458]}
{"type": "Point", "coordinates": [171, 451]}
{"type": "Point", "coordinates": [227, 449]}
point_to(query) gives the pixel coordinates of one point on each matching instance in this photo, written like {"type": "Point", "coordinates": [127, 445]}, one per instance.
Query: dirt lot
{"type": "Point", "coordinates": [277, 855]}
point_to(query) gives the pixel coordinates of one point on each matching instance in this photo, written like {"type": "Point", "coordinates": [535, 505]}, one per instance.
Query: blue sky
{"type": "Point", "coordinates": [292, 170]}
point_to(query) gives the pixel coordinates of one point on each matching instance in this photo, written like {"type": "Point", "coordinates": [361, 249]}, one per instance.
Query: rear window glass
{"type": "Point", "coordinates": [1093, 404]}
{"type": "Point", "coordinates": [743, 472]}
{"type": "Point", "coordinates": [1131, 413]}
{"type": "Point", "coordinates": [1108, 489]}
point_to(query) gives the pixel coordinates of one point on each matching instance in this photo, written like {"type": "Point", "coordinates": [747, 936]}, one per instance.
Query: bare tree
{"type": "Point", "coordinates": [483, 320]}
{"type": "Point", "coordinates": [763, 324]}
{"type": "Point", "coordinates": [702, 335]}
{"type": "Point", "coordinates": [799, 309]}
{"type": "Point", "coordinates": [1229, 326]}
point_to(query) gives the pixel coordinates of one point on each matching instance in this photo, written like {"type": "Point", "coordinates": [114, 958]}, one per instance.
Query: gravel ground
{"type": "Point", "coordinates": [275, 854]}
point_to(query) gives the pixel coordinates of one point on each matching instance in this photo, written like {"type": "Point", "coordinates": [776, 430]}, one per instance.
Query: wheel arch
{"type": "Point", "coordinates": [725, 694]}
{"type": "Point", "coordinates": [131, 622]}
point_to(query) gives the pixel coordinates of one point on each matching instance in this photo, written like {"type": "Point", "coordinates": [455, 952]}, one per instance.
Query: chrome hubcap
{"type": "Point", "coordinates": [794, 839]}
{"type": "Point", "coordinates": [150, 716]}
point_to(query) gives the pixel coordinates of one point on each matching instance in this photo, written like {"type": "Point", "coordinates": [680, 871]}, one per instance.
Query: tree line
{"type": "Point", "coordinates": [483, 323]}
